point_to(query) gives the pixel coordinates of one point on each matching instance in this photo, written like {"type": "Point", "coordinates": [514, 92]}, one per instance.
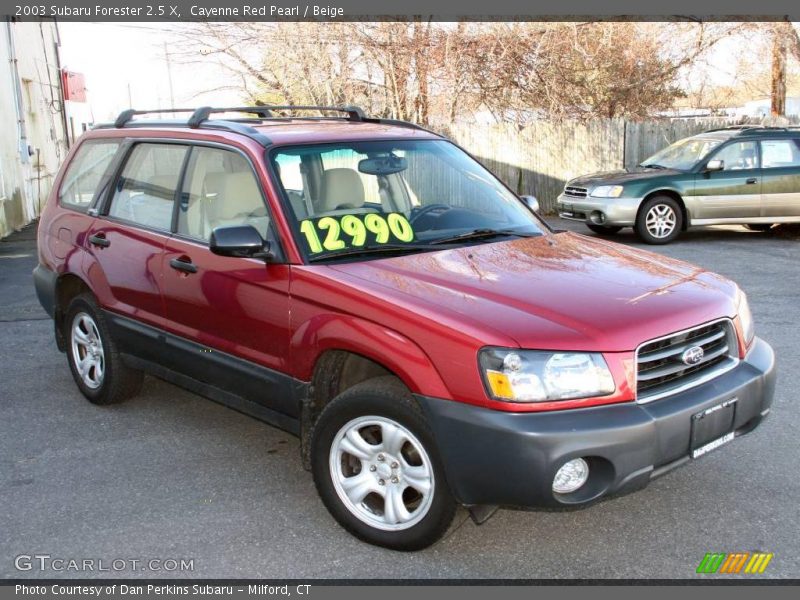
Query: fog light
{"type": "Point", "coordinates": [597, 217]}
{"type": "Point", "coordinates": [571, 476]}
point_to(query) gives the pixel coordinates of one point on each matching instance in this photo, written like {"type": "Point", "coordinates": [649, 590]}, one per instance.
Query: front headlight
{"type": "Point", "coordinates": [607, 191]}
{"type": "Point", "coordinates": [535, 376]}
{"type": "Point", "coordinates": [745, 317]}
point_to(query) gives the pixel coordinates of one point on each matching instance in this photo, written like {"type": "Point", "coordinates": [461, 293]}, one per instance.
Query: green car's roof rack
{"type": "Point", "coordinates": [753, 128]}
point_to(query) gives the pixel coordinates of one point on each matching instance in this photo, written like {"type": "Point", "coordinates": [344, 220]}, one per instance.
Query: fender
{"type": "Point", "coordinates": [682, 194]}
{"type": "Point", "coordinates": [385, 346]}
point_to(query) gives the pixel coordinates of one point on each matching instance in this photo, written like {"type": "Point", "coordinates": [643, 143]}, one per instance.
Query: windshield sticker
{"type": "Point", "coordinates": [333, 234]}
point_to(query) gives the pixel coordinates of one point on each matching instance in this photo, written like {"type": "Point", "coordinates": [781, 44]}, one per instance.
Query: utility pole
{"type": "Point", "coordinates": [779, 51]}
{"type": "Point", "coordinates": [169, 77]}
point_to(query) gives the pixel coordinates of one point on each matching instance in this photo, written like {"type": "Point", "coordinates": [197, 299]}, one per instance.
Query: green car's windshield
{"type": "Point", "coordinates": [683, 154]}
{"type": "Point", "coordinates": [370, 199]}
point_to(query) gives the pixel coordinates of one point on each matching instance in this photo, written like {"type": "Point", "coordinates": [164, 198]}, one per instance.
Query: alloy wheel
{"type": "Point", "coordinates": [87, 350]}
{"type": "Point", "coordinates": [661, 221]}
{"type": "Point", "coordinates": [382, 473]}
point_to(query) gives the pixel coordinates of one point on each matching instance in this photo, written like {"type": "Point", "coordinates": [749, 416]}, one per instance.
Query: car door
{"type": "Point", "coordinates": [780, 186]}
{"type": "Point", "coordinates": [233, 312]}
{"type": "Point", "coordinates": [127, 239]}
{"type": "Point", "coordinates": [734, 191]}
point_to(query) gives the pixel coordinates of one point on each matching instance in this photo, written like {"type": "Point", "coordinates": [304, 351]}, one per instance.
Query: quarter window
{"type": "Point", "coordinates": [145, 191]}
{"type": "Point", "coordinates": [780, 153]}
{"type": "Point", "coordinates": [79, 186]}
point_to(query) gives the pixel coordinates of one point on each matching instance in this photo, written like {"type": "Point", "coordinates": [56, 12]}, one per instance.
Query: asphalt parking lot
{"type": "Point", "coordinates": [170, 475]}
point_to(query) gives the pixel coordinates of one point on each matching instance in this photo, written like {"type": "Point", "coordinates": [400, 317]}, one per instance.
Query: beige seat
{"type": "Point", "coordinates": [341, 188]}
{"type": "Point", "coordinates": [295, 199]}
{"type": "Point", "coordinates": [234, 199]}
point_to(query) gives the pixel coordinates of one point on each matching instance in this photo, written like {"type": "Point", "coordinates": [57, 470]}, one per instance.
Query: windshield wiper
{"type": "Point", "coordinates": [367, 250]}
{"type": "Point", "coordinates": [388, 248]}
{"type": "Point", "coordinates": [477, 234]}
{"type": "Point", "coordinates": [652, 166]}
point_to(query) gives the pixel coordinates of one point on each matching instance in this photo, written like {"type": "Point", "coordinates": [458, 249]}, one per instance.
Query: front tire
{"type": "Point", "coordinates": [377, 469]}
{"type": "Point", "coordinates": [93, 355]}
{"type": "Point", "coordinates": [659, 221]}
{"type": "Point", "coordinates": [604, 229]}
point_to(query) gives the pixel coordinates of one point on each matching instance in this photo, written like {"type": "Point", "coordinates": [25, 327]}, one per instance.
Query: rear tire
{"type": "Point", "coordinates": [604, 229]}
{"type": "Point", "coordinates": [93, 355]}
{"type": "Point", "coordinates": [377, 469]}
{"type": "Point", "coordinates": [758, 226]}
{"type": "Point", "coordinates": [659, 221]}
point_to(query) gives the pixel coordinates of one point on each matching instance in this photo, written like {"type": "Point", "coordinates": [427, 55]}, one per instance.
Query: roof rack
{"type": "Point", "coordinates": [354, 113]}
{"type": "Point", "coordinates": [399, 123]}
{"type": "Point", "coordinates": [201, 118]}
{"type": "Point", "coordinates": [753, 127]}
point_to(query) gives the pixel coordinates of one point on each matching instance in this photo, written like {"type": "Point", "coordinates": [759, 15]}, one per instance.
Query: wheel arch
{"type": "Point", "coordinates": [68, 286]}
{"type": "Point", "coordinates": [338, 352]}
{"type": "Point", "coordinates": [675, 195]}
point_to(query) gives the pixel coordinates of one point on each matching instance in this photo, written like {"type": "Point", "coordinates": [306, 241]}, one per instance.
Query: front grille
{"type": "Point", "coordinates": [661, 370]}
{"type": "Point", "coordinates": [575, 192]}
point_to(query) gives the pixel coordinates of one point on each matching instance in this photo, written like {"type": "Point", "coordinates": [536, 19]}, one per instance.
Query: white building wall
{"type": "Point", "coordinates": [762, 106]}
{"type": "Point", "coordinates": [32, 137]}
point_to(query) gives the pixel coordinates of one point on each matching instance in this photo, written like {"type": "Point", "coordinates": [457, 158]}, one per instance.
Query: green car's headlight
{"type": "Point", "coordinates": [607, 191]}
{"type": "Point", "coordinates": [536, 376]}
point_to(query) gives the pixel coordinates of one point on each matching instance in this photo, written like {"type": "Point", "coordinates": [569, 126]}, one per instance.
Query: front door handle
{"type": "Point", "coordinates": [99, 239]}
{"type": "Point", "coordinates": [751, 180]}
{"type": "Point", "coordinates": [184, 264]}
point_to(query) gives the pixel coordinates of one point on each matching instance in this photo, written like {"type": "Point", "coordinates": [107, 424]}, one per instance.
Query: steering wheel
{"type": "Point", "coordinates": [428, 209]}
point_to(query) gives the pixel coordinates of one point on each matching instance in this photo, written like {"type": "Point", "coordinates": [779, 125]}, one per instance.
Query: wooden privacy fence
{"type": "Point", "coordinates": [541, 157]}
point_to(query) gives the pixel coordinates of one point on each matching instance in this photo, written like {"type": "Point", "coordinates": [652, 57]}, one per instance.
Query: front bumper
{"type": "Point", "coordinates": [614, 211]}
{"type": "Point", "coordinates": [509, 459]}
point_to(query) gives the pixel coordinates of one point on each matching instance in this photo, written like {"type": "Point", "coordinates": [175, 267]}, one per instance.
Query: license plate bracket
{"type": "Point", "coordinates": [712, 427]}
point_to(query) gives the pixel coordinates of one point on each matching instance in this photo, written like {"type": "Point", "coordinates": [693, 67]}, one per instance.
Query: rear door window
{"type": "Point", "coordinates": [780, 153]}
{"type": "Point", "coordinates": [145, 191]}
{"type": "Point", "coordinates": [83, 175]}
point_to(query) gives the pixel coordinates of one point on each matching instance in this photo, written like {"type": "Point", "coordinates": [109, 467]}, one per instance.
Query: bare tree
{"type": "Point", "coordinates": [435, 73]}
{"type": "Point", "coordinates": [588, 70]}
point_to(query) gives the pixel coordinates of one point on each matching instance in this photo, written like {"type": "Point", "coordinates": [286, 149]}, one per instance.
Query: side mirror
{"type": "Point", "coordinates": [715, 165]}
{"type": "Point", "coordinates": [240, 241]}
{"type": "Point", "coordinates": [532, 202]}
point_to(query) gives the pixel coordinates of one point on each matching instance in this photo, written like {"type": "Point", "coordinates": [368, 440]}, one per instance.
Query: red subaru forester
{"type": "Point", "coordinates": [368, 286]}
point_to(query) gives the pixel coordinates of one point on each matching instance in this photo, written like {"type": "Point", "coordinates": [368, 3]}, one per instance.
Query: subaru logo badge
{"type": "Point", "coordinates": [693, 355]}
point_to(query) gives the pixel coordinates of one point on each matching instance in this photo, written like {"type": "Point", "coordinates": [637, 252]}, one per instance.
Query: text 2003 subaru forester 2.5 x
{"type": "Point", "coordinates": [367, 285]}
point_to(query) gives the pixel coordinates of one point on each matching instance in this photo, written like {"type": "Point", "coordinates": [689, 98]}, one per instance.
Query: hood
{"type": "Point", "coordinates": [558, 291]}
{"type": "Point", "coordinates": [621, 176]}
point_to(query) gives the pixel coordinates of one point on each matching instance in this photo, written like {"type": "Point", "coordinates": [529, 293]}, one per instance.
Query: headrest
{"type": "Point", "coordinates": [235, 193]}
{"type": "Point", "coordinates": [341, 186]}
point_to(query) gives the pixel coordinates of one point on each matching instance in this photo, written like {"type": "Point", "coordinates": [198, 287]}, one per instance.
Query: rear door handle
{"type": "Point", "coordinates": [99, 239]}
{"type": "Point", "coordinates": [184, 264]}
{"type": "Point", "coordinates": [751, 180]}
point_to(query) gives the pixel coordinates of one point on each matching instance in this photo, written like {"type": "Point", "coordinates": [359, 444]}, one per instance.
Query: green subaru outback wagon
{"type": "Point", "coordinates": [743, 174]}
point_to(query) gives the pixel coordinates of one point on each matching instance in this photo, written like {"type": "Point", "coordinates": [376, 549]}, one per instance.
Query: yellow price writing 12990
{"type": "Point", "coordinates": [330, 234]}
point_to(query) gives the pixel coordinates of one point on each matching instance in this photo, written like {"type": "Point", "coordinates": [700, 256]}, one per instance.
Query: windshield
{"type": "Point", "coordinates": [683, 154]}
{"type": "Point", "coordinates": [368, 199]}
